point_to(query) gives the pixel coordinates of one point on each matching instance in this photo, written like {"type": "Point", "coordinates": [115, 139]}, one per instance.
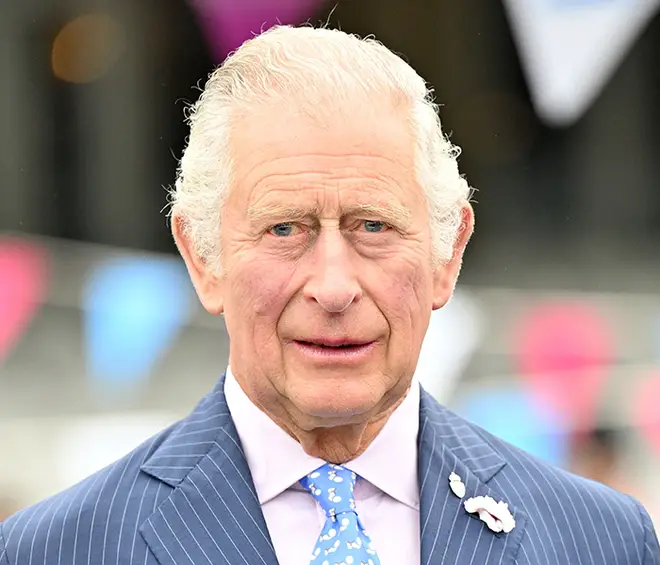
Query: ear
{"type": "Point", "coordinates": [208, 285]}
{"type": "Point", "coordinates": [446, 274]}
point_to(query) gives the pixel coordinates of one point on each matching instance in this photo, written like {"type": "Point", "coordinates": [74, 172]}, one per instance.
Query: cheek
{"type": "Point", "coordinates": [406, 299]}
{"type": "Point", "coordinates": [406, 302]}
{"type": "Point", "coordinates": [257, 292]}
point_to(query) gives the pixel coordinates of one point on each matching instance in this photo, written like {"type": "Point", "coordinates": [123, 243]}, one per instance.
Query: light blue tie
{"type": "Point", "coordinates": [343, 540]}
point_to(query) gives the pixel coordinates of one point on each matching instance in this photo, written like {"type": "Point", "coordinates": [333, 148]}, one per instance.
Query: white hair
{"type": "Point", "coordinates": [315, 67]}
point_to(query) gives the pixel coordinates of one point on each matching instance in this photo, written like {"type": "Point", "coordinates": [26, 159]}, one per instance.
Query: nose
{"type": "Point", "coordinates": [333, 283]}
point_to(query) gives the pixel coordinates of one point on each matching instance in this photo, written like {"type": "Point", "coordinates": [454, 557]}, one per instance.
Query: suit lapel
{"type": "Point", "coordinates": [212, 514]}
{"type": "Point", "coordinates": [451, 536]}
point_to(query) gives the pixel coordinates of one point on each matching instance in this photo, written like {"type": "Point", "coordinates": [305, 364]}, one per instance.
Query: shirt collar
{"type": "Point", "coordinates": [277, 461]}
{"type": "Point", "coordinates": [390, 462]}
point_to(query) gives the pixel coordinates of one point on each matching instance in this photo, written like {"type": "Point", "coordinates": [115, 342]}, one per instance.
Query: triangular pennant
{"type": "Point", "coordinates": [134, 308]}
{"type": "Point", "coordinates": [228, 23]}
{"type": "Point", "coordinates": [23, 273]}
{"type": "Point", "coordinates": [571, 48]}
{"type": "Point", "coordinates": [512, 415]}
{"type": "Point", "coordinates": [455, 332]}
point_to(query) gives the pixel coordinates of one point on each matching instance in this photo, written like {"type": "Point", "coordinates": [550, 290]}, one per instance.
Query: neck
{"type": "Point", "coordinates": [338, 444]}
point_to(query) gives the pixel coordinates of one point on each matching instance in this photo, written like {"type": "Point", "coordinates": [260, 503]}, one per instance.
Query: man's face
{"type": "Point", "coordinates": [328, 282]}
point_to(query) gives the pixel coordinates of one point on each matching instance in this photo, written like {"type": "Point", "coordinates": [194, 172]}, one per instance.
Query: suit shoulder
{"type": "Point", "coordinates": [541, 476]}
{"type": "Point", "coordinates": [119, 493]}
{"type": "Point", "coordinates": [570, 515]}
{"type": "Point", "coordinates": [547, 491]}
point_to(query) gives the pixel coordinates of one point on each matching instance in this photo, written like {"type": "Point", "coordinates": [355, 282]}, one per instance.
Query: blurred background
{"type": "Point", "coordinates": [553, 338]}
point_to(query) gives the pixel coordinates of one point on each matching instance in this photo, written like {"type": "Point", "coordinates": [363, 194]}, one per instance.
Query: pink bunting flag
{"type": "Point", "coordinates": [564, 352]}
{"type": "Point", "coordinates": [228, 23]}
{"type": "Point", "coordinates": [22, 286]}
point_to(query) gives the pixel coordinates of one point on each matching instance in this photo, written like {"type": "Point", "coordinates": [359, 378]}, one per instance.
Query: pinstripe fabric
{"type": "Point", "coordinates": [186, 497]}
{"type": "Point", "coordinates": [560, 518]}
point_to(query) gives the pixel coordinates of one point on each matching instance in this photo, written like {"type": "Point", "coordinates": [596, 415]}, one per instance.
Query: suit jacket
{"type": "Point", "coordinates": [185, 497]}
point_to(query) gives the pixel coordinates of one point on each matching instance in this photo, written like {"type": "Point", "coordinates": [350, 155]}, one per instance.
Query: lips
{"type": "Point", "coordinates": [333, 343]}
{"type": "Point", "coordinates": [325, 350]}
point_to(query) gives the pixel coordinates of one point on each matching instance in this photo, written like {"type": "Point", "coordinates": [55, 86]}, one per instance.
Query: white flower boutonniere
{"type": "Point", "coordinates": [456, 485]}
{"type": "Point", "coordinates": [496, 515]}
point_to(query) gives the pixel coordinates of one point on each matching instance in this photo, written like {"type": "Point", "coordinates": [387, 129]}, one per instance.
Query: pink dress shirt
{"type": "Point", "coordinates": [387, 498]}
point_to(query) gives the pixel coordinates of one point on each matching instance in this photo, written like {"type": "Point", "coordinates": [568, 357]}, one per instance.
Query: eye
{"type": "Point", "coordinates": [374, 226]}
{"type": "Point", "coordinates": [283, 230]}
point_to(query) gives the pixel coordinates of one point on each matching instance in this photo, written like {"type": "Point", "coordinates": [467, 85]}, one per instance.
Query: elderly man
{"type": "Point", "coordinates": [319, 208]}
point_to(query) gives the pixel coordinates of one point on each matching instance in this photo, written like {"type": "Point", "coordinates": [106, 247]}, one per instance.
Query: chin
{"type": "Point", "coordinates": [310, 422]}
{"type": "Point", "coordinates": [353, 405]}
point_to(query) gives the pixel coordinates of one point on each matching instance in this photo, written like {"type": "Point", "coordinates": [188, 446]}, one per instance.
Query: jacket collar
{"type": "Point", "coordinates": [213, 514]}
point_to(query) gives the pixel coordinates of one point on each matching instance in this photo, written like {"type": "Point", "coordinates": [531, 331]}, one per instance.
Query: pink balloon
{"type": "Point", "coordinates": [22, 286]}
{"type": "Point", "coordinates": [646, 414]}
{"type": "Point", "coordinates": [228, 23]}
{"type": "Point", "coordinates": [564, 350]}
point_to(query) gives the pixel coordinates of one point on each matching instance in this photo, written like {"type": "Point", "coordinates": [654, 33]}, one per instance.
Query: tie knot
{"type": "Point", "coordinates": [332, 486]}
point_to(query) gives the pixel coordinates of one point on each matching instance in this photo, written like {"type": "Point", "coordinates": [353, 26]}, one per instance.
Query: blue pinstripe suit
{"type": "Point", "coordinates": [186, 497]}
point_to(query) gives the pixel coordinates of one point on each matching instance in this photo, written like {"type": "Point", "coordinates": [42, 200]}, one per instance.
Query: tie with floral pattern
{"type": "Point", "coordinates": [343, 540]}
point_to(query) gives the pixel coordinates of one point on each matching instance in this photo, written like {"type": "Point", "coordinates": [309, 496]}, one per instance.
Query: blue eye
{"type": "Point", "coordinates": [374, 226]}
{"type": "Point", "coordinates": [282, 230]}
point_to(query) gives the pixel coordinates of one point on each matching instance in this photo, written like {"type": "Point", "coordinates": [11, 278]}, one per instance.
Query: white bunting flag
{"type": "Point", "coordinates": [571, 48]}
{"type": "Point", "coordinates": [454, 334]}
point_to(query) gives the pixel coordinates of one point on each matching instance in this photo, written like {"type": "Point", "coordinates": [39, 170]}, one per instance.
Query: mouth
{"type": "Point", "coordinates": [331, 349]}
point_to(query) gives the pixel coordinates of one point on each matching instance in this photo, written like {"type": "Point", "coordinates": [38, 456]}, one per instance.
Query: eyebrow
{"type": "Point", "coordinates": [284, 211]}
{"type": "Point", "coordinates": [391, 213]}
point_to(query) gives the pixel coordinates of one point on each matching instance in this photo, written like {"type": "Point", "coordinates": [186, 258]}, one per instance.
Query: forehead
{"type": "Point", "coordinates": [356, 155]}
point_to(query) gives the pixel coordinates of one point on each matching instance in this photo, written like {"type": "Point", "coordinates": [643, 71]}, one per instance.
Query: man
{"type": "Point", "coordinates": [319, 208]}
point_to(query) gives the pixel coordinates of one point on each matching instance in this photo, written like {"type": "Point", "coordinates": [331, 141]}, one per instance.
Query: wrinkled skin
{"type": "Point", "coordinates": [325, 238]}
